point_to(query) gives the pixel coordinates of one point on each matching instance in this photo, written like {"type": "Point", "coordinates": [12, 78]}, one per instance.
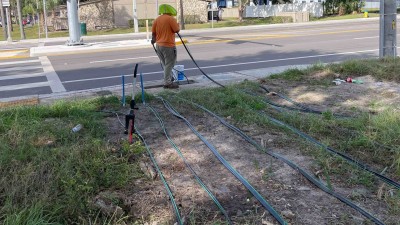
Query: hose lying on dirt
{"type": "Point", "coordinates": [255, 193]}
{"type": "Point", "coordinates": [311, 178]}
{"type": "Point", "coordinates": [157, 115]}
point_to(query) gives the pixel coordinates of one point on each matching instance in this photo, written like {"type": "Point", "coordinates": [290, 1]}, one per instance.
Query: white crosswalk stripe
{"type": "Point", "coordinates": [20, 76]}
{"type": "Point", "coordinates": [23, 86]}
{"type": "Point", "coordinates": [28, 76]}
{"type": "Point", "coordinates": [20, 62]}
{"type": "Point", "coordinates": [21, 68]}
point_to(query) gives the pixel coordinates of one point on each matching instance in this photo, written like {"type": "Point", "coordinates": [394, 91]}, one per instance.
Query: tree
{"type": "Point", "coordinates": [242, 5]}
{"type": "Point", "coordinates": [342, 7]}
{"type": "Point", "coordinates": [3, 20]}
{"type": "Point", "coordinates": [21, 25]}
{"type": "Point", "coordinates": [36, 6]}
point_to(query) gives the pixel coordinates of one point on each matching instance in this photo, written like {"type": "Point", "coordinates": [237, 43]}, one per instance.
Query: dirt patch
{"type": "Point", "coordinates": [344, 98]}
{"type": "Point", "coordinates": [291, 195]}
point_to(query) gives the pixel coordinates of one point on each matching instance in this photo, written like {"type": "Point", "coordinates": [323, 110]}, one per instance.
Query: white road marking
{"type": "Point", "coordinates": [21, 76]}
{"type": "Point", "coordinates": [227, 65]}
{"type": "Point", "coordinates": [24, 86]}
{"type": "Point", "coordinates": [20, 68]}
{"type": "Point", "coordinates": [19, 62]}
{"type": "Point", "coordinates": [114, 60]}
{"type": "Point", "coordinates": [366, 38]}
{"type": "Point", "coordinates": [52, 77]}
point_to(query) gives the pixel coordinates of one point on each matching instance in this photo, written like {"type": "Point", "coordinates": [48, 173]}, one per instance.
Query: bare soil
{"type": "Point", "coordinates": [294, 197]}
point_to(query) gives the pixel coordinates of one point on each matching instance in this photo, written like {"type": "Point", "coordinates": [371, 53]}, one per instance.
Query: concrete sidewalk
{"type": "Point", "coordinates": [90, 47]}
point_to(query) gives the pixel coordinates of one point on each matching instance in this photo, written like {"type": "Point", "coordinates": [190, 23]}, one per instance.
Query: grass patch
{"type": "Point", "coordinates": [344, 17]}
{"type": "Point", "coordinates": [32, 32]}
{"type": "Point", "coordinates": [387, 69]}
{"type": "Point", "coordinates": [50, 175]}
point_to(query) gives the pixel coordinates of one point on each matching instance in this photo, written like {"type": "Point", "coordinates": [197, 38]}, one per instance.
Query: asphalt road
{"type": "Point", "coordinates": [215, 50]}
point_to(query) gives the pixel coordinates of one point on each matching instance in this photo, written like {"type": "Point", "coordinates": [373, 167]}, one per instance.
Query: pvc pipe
{"type": "Point", "coordinates": [141, 84]}
{"type": "Point", "coordinates": [123, 90]}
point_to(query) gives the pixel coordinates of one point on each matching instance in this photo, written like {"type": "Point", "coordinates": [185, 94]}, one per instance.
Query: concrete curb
{"type": "Point", "coordinates": [14, 53]}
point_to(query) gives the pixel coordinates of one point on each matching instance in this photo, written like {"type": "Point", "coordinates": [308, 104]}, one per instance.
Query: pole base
{"type": "Point", "coordinates": [73, 43]}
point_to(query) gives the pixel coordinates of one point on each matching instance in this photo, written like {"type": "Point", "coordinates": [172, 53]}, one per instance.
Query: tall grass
{"type": "Point", "coordinates": [42, 161]}
{"type": "Point", "coordinates": [387, 69]}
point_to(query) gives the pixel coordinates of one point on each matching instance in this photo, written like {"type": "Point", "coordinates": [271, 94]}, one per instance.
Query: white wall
{"type": "Point", "coordinates": [315, 9]}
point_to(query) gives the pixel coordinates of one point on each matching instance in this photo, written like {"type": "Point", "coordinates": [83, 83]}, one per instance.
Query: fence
{"type": "Point", "coordinates": [315, 9]}
{"type": "Point", "coordinates": [376, 4]}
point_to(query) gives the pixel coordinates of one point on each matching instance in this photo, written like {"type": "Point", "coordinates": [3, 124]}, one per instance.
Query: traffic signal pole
{"type": "Point", "coordinates": [388, 29]}
{"type": "Point", "coordinates": [73, 23]}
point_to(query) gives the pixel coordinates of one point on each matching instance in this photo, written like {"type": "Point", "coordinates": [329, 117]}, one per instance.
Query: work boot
{"type": "Point", "coordinates": [171, 86]}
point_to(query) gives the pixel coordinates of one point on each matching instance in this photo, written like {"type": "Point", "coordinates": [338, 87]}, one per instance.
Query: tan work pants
{"type": "Point", "coordinates": [167, 56]}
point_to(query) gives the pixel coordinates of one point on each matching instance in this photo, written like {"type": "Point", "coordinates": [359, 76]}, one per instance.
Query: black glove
{"type": "Point", "coordinates": [153, 41]}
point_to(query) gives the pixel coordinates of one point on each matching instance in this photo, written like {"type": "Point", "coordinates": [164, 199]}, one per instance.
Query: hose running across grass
{"type": "Point", "coordinates": [331, 150]}
{"type": "Point", "coordinates": [255, 193]}
{"type": "Point", "coordinates": [311, 178]}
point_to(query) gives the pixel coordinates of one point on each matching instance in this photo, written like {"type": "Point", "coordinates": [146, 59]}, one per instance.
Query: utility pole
{"type": "Point", "coordinates": [182, 18]}
{"type": "Point", "coordinates": [135, 18]}
{"type": "Point", "coordinates": [388, 31]}
{"type": "Point", "coordinates": [3, 20]}
{"type": "Point", "coordinates": [157, 7]}
{"type": "Point", "coordinates": [73, 23]}
{"type": "Point", "coordinates": [45, 18]}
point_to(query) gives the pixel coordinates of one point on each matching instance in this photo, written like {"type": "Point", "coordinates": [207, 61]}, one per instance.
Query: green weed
{"type": "Point", "coordinates": [42, 160]}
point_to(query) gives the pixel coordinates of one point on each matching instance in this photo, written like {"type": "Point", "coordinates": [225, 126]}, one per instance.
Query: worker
{"type": "Point", "coordinates": [163, 34]}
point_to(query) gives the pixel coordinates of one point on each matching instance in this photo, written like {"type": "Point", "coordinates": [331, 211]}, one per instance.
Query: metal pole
{"type": "Point", "coordinates": [45, 18]}
{"type": "Point", "coordinates": [212, 14]}
{"type": "Point", "coordinates": [157, 7]}
{"type": "Point", "coordinates": [388, 29]}
{"type": "Point", "coordinates": [147, 30]}
{"type": "Point", "coordinates": [182, 18]}
{"type": "Point", "coordinates": [135, 18]}
{"type": "Point", "coordinates": [38, 16]}
{"type": "Point", "coordinates": [73, 24]}
{"type": "Point", "coordinates": [9, 24]}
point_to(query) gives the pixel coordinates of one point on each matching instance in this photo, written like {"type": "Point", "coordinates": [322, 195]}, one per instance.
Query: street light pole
{"type": "Point", "coordinates": [157, 7]}
{"type": "Point", "coordinates": [73, 23]}
{"type": "Point", "coordinates": [135, 19]}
